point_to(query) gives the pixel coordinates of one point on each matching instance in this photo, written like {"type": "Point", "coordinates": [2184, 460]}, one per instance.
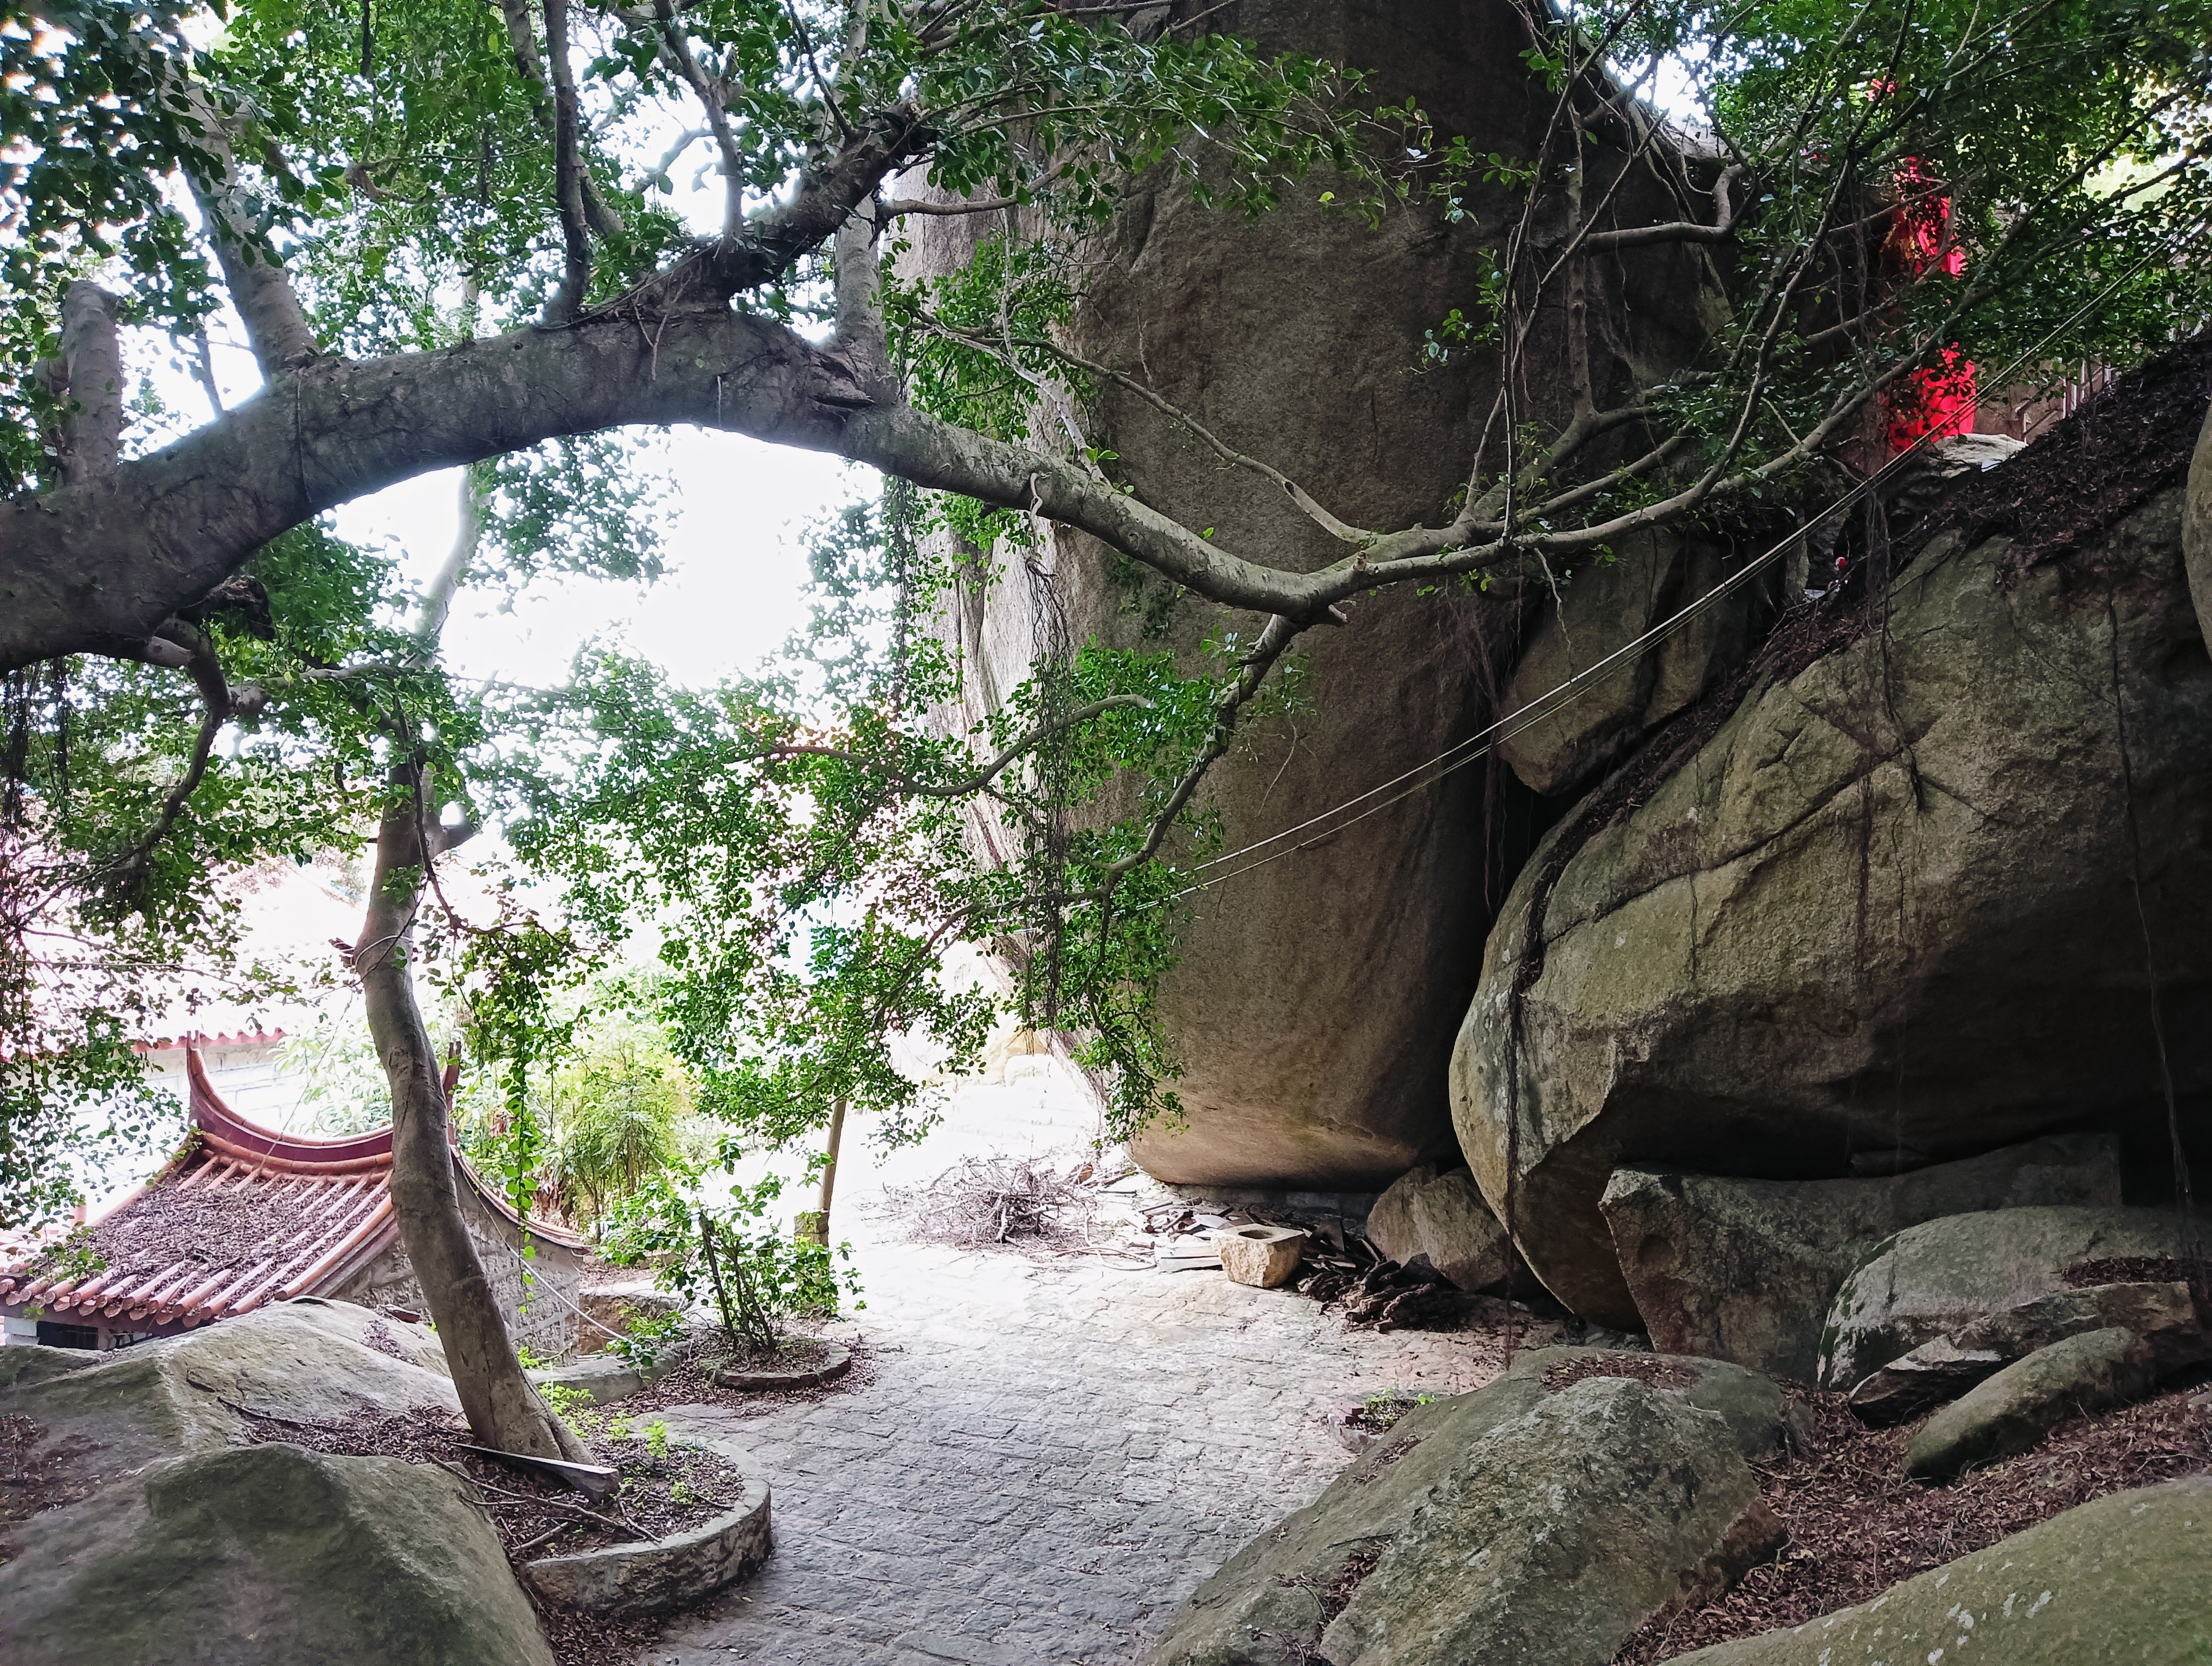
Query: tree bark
{"type": "Point", "coordinates": [95, 569]}
{"type": "Point", "coordinates": [502, 1408]}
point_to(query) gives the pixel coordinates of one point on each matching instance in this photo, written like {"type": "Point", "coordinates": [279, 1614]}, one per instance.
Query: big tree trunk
{"type": "Point", "coordinates": [504, 1410]}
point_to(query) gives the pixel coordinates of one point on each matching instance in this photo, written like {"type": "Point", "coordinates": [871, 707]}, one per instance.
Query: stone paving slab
{"type": "Point", "coordinates": [1049, 1457]}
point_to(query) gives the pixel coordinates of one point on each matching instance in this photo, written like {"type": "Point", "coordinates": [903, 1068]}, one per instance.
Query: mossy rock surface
{"type": "Point", "coordinates": [268, 1555]}
{"type": "Point", "coordinates": [2123, 1580]}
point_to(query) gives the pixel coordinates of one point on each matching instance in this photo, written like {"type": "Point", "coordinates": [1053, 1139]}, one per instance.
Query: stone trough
{"type": "Point", "coordinates": [657, 1576]}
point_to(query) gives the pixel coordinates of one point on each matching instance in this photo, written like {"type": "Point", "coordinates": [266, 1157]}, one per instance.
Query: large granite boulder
{"type": "Point", "coordinates": [1537, 1520]}
{"type": "Point", "coordinates": [1602, 608]}
{"type": "Point", "coordinates": [178, 1540]}
{"type": "Point", "coordinates": [1887, 892]}
{"type": "Point", "coordinates": [2012, 1411]}
{"type": "Point", "coordinates": [1442, 1216]}
{"type": "Point", "coordinates": [1745, 1269]}
{"type": "Point", "coordinates": [1935, 1279]}
{"type": "Point", "coordinates": [1313, 1009]}
{"type": "Point", "coordinates": [2162, 1315]}
{"type": "Point", "coordinates": [2120, 1580]}
{"type": "Point", "coordinates": [291, 1362]}
{"type": "Point", "coordinates": [2196, 529]}
{"type": "Point", "coordinates": [268, 1555]}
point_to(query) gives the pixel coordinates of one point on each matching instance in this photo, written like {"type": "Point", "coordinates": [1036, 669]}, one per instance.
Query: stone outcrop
{"type": "Point", "coordinates": [268, 1556]}
{"type": "Point", "coordinates": [1745, 1269]}
{"type": "Point", "coordinates": [2163, 1316]}
{"type": "Point", "coordinates": [1524, 1523]}
{"type": "Point", "coordinates": [189, 1538]}
{"type": "Point", "coordinates": [1938, 1278]}
{"type": "Point", "coordinates": [292, 1362]}
{"type": "Point", "coordinates": [2015, 1409]}
{"type": "Point", "coordinates": [1881, 895]}
{"type": "Point", "coordinates": [1442, 1216]}
{"type": "Point", "coordinates": [1313, 1009]}
{"type": "Point", "coordinates": [2121, 1579]}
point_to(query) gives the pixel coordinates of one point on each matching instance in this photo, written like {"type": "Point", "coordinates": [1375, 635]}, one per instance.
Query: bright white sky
{"type": "Point", "coordinates": [730, 597]}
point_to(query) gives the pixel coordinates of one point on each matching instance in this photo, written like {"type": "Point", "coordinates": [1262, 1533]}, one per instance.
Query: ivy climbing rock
{"type": "Point", "coordinates": [1314, 1008]}
{"type": "Point", "coordinates": [1888, 893]}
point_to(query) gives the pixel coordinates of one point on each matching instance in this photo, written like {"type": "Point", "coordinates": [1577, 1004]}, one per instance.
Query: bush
{"type": "Point", "coordinates": [759, 1279]}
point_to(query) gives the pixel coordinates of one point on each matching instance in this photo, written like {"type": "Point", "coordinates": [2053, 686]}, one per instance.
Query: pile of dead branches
{"type": "Point", "coordinates": [992, 1199]}
{"type": "Point", "coordinates": [1390, 1297]}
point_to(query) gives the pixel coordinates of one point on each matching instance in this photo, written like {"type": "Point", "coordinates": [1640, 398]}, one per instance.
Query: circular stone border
{"type": "Point", "coordinates": [654, 1576]}
{"type": "Point", "coordinates": [805, 1376]}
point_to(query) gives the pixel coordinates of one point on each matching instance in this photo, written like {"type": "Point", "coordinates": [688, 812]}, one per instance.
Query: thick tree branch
{"type": "Point", "coordinates": [276, 327]}
{"type": "Point", "coordinates": [92, 360]}
{"type": "Point", "coordinates": [675, 50]}
{"type": "Point", "coordinates": [1684, 231]}
{"type": "Point", "coordinates": [567, 170]}
{"type": "Point", "coordinates": [900, 205]}
{"type": "Point", "coordinates": [522, 46]}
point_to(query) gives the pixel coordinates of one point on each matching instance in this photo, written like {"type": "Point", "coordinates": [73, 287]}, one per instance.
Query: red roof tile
{"type": "Point", "coordinates": [243, 1215]}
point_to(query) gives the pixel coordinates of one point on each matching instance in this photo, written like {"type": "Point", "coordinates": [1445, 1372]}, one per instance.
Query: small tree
{"type": "Point", "coordinates": [759, 1280]}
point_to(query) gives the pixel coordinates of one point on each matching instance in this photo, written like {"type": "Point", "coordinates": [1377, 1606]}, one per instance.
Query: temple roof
{"type": "Point", "coordinates": [241, 1216]}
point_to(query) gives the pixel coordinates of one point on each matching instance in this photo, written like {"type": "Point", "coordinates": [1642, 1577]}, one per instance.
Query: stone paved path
{"type": "Point", "coordinates": [1050, 1456]}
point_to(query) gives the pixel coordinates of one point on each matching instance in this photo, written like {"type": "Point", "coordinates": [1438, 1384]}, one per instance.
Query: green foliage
{"type": "Point", "coordinates": [619, 1108]}
{"type": "Point", "coordinates": [759, 1278]}
{"type": "Point", "coordinates": [342, 1084]}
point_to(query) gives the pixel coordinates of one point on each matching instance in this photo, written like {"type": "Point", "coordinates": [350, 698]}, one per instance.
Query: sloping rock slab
{"type": "Point", "coordinates": [1441, 1216]}
{"type": "Point", "coordinates": [1745, 1269]}
{"type": "Point", "coordinates": [2123, 1579]}
{"type": "Point", "coordinates": [655, 1577]}
{"type": "Point", "coordinates": [2028, 1399]}
{"type": "Point", "coordinates": [1932, 1280]}
{"type": "Point", "coordinates": [1515, 1525]}
{"type": "Point", "coordinates": [298, 1362]}
{"type": "Point", "coordinates": [2163, 1315]}
{"type": "Point", "coordinates": [267, 1555]}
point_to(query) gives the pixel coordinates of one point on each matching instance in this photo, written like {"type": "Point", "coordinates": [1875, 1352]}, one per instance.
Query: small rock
{"type": "Point", "coordinates": [2028, 1399]}
{"type": "Point", "coordinates": [1262, 1255]}
{"type": "Point", "coordinates": [1443, 1218]}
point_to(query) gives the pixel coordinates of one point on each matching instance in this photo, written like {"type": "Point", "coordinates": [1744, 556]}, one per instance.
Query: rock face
{"type": "Point", "coordinates": [269, 1556]}
{"type": "Point", "coordinates": [2162, 1315]}
{"type": "Point", "coordinates": [1603, 609]}
{"type": "Point", "coordinates": [1443, 1218]}
{"type": "Point", "coordinates": [1745, 1269]}
{"type": "Point", "coordinates": [1314, 1008]}
{"type": "Point", "coordinates": [1515, 1525]}
{"type": "Point", "coordinates": [2028, 1399]}
{"type": "Point", "coordinates": [1882, 893]}
{"type": "Point", "coordinates": [295, 1361]}
{"type": "Point", "coordinates": [1935, 1279]}
{"type": "Point", "coordinates": [190, 1537]}
{"type": "Point", "coordinates": [2122, 1579]}
{"type": "Point", "coordinates": [2196, 529]}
